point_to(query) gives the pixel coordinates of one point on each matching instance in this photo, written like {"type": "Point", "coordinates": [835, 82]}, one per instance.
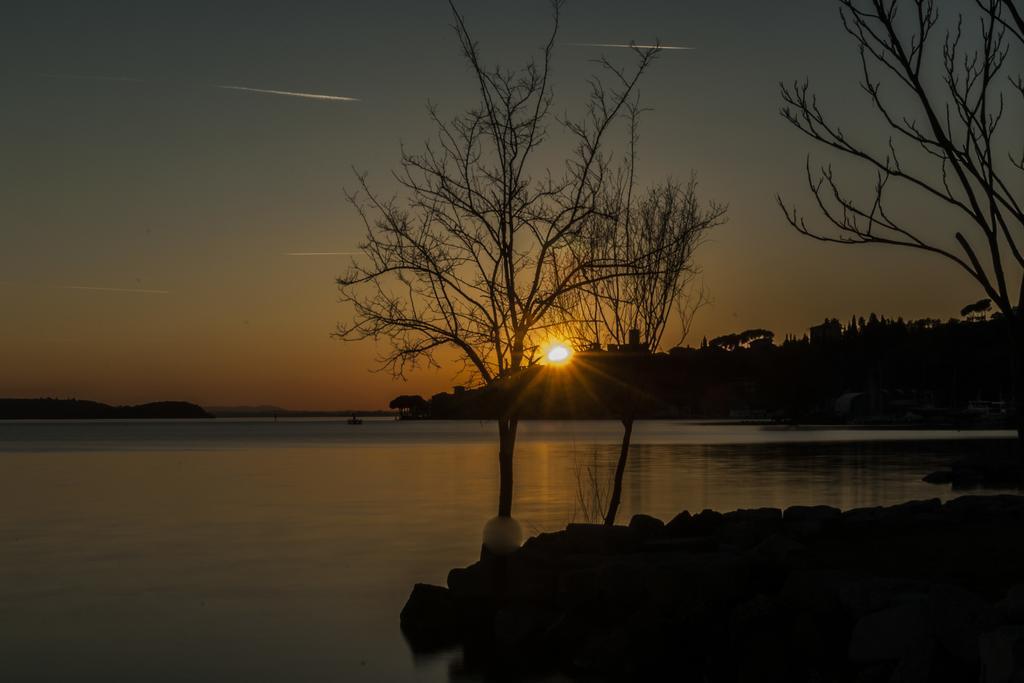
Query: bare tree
{"type": "Point", "coordinates": [951, 107]}
{"type": "Point", "coordinates": [659, 233]}
{"type": "Point", "coordinates": [478, 254]}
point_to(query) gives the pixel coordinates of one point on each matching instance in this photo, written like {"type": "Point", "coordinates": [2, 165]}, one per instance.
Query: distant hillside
{"type": "Point", "coordinates": [277, 411]}
{"type": "Point", "coordinates": [74, 409]}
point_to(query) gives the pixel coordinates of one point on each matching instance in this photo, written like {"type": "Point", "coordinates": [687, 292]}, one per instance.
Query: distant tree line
{"type": "Point", "coordinates": [926, 367]}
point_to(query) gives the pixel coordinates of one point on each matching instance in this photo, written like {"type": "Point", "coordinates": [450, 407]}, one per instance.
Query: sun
{"type": "Point", "coordinates": [558, 354]}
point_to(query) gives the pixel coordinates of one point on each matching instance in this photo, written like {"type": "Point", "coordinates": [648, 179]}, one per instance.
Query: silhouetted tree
{"type": "Point", "coordinates": [483, 247]}
{"type": "Point", "coordinates": [409, 406]}
{"type": "Point", "coordinates": [659, 233]}
{"type": "Point", "coordinates": [944, 102]}
{"type": "Point", "coordinates": [978, 309]}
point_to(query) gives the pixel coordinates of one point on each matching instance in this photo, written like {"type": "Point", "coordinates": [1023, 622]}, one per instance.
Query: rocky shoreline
{"type": "Point", "coordinates": [922, 591]}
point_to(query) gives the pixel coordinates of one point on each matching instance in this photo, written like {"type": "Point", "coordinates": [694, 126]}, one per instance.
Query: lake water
{"type": "Point", "coordinates": [262, 551]}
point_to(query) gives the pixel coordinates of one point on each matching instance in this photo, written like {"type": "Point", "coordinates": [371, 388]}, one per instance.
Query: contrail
{"type": "Point", "coordinates": [322, 253]}
{"type": "Point", "coordinates": [625, 45]}
{"type": "Point", "coordinates": [264, 91]}
{"type": "Point", "coordinates": [288, 93]}
{"type": "Point", "coordinates": [113, 289]}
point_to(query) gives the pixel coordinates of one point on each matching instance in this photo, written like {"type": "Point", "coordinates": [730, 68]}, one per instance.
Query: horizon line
{"type": "Point", "coordinates": [633, 45]}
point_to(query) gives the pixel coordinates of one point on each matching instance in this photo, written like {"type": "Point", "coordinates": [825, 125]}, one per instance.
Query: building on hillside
{"type": "Point", "coordinates": [829, 331]}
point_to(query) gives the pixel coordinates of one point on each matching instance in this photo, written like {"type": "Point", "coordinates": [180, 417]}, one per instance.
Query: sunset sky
{"type": "Point", "coordinates": [149, 214]}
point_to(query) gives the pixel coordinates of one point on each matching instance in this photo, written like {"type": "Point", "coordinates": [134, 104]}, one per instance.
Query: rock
{"type": "Point", "coordinates": [890, 634]}
{"type": "Point", "coordinates": [1002, 655]}
{"type": "Point", "coordinates": [548, 544]}
{"type": "Point", "coordinates": [706, 523]}
{"type": "Point", "coordinates": [680, 578]}
{"type": "Point", "coordinates": [752, 595]}
{"type": "Point", "coordinates": [646, 526]}
{"type": "Point", "coordinates": [876, 673]}
{"type": "Point", "coordinates": [475, 582]}
{"type": "Point", "coordinates": [697, 544]}
{"type": "Point", "coordinates": [579, 590]}
{"type": "Point", "coordinates": [778, 548]}
{"type": "Point", "coordinates": [814, 592]}
{"type": "Point", "coordinates": [958, 618]}
{"type": "Point", "coordinates": [745, 528]}
{"type": "Point", "coordinates": [516, 625]}
{"type": "Point", "coordinates": [603, 653]}
{"type": "Point", "coordinates": [804, 521]}
{"type": "Point", "coordinates": [760, 515]}
{"type": "Point", "coordinates": [915, 511]}
{"type": "Point", "coordinates": [598, 539]}
{"type": "Point", "coordinates": [862, 597]}
{"type": "Point", "coordinates": [1013, 604]}
{"type": "Point", "coordinates": [761, 629]}
{"type": "Point", "coordinates": [680, 525]}
{"type": "Point", "coordinates": [606, 592]}
{"type": "Point", "coordinates": [984, 508]}
{"type": "Point", "coordinates": [861, 517]}
{"type": "Point", "coordinates": [429, 619]}
{"type": "Point", "coordinates": [918, 664]}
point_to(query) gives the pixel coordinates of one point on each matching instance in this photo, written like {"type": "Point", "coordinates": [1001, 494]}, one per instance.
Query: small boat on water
{"type": "Point", "coordinates": [355, 420]}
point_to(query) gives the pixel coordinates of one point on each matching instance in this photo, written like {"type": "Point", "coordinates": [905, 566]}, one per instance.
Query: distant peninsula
{"type": "Point", "coordinates": [74, 409]}
{"type": "Point", "coordinates": [277, 411]}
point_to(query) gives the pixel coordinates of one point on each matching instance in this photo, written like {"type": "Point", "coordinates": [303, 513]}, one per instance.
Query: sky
{"type": "Point", "coordinates": [149, 215]}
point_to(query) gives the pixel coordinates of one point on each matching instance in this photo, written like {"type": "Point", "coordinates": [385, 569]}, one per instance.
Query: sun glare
{"type": "Point", "coordinates": [558, 354]}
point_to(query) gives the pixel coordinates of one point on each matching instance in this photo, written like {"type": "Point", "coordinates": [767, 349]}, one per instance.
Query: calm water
{"type": "Point", "coordinates": [262, 551]}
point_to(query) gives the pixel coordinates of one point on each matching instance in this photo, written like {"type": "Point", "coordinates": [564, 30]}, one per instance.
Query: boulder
{"type": "Point", "coordinates": [958, 618]}
{"type": "Point", "coordinates": [706, 523]}
{"type": "Point", "coordinates": [646, 526]}
{"type": "Point", "coordinates": [984, 508]}
{"type": "Point", "coordinates": [696, 544]}
{"type": "Point", "coordinates": [1013, 604]}
{"type": "Point", "coordinates": [1002, 655]}
{"type": "Point", "coordinates": [579, 590]}
{"type": "Point", "coordinates": [778, 548]}
{"type": "Point", "coordinates": [604, 653]}
{"type": "Point", "coordinates": [746, 528]}
{"type": "Point", "coordinates": [598, 539]}
{"type": "Point", "coordinates": [430, 619]}
{"type": "Point", "coordinates": [759, 515]}
{"type": "Point", "coordinates": [805, 521]}
{"type": "Point", "coordinates": [915, 511]}
{"type": "Point", "coordinates": [814, 591]}
{"type": "Point", "coordinates": [680, 526]}
{"type": "Point", "coordinates": [890, 634]}
{"type": "Point", "coordinates": [677, 578]}
{"type": "Point", "coordinates": [863, 517]}
{"type": "Point", "coordinates": [476, 582]}
{"type": "Point", "coordinates": [761, 629]}
{"type": "Point", "coordinates": [919, 664]}
{"type": "Point", "coordinates": [515, 626]}
{"type": "Point", "coordinates": [863, 596]}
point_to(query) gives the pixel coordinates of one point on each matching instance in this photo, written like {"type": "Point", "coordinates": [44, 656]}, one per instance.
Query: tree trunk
{"type": "Point", "coordinates": [620, 470]}
{"type": "Point", "coordinates": [506, 448]}
{"type": "Point", "coordinates": [1017, 386]}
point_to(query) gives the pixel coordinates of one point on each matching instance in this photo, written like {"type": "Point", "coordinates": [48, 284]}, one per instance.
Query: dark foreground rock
{"type": "Point", "coordinates": [922, 591]}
